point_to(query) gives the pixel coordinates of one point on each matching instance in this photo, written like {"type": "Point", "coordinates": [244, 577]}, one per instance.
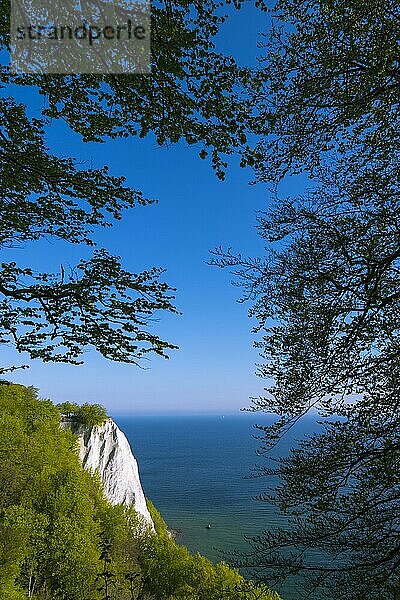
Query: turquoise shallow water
{"type": "Point", "coordinates": [194, 470]}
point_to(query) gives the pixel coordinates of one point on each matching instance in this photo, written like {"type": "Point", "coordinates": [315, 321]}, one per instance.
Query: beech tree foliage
{"type": "Point", "coordinates": [326, 296]}
{"type": "Point", "coordinates": [327, 84]}
{"type": "Point", "coordinates": [191, 95]}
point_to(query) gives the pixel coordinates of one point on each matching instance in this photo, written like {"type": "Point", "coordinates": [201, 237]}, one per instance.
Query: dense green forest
{"type": "Point", "coordinates": [60, 538]}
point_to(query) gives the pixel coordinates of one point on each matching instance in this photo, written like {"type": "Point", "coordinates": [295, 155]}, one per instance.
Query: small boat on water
{"type": "Point", "coordinates": [208, 526]}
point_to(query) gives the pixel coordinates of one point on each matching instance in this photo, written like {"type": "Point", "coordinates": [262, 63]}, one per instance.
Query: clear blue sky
{"type": "Point", "coordinates": [213, 371]}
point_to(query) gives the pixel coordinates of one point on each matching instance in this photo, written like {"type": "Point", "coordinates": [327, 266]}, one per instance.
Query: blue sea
{"type": "Point", "coordinates": [196, 471]}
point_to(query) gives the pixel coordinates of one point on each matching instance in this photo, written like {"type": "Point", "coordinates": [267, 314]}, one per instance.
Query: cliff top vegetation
{"type": "Point", "coordinates": [88, 415]}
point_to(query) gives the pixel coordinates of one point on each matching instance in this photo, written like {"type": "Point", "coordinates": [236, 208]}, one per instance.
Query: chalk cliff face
{"type": "Point", "coordinates": [105, 449]}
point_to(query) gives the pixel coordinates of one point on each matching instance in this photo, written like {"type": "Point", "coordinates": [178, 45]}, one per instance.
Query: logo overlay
{"type": "Point", "coordinates": [87, 36]}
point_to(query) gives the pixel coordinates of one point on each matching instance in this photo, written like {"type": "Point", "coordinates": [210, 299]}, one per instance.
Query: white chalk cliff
{"type": "Point", "coordinates": [106, 450]}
